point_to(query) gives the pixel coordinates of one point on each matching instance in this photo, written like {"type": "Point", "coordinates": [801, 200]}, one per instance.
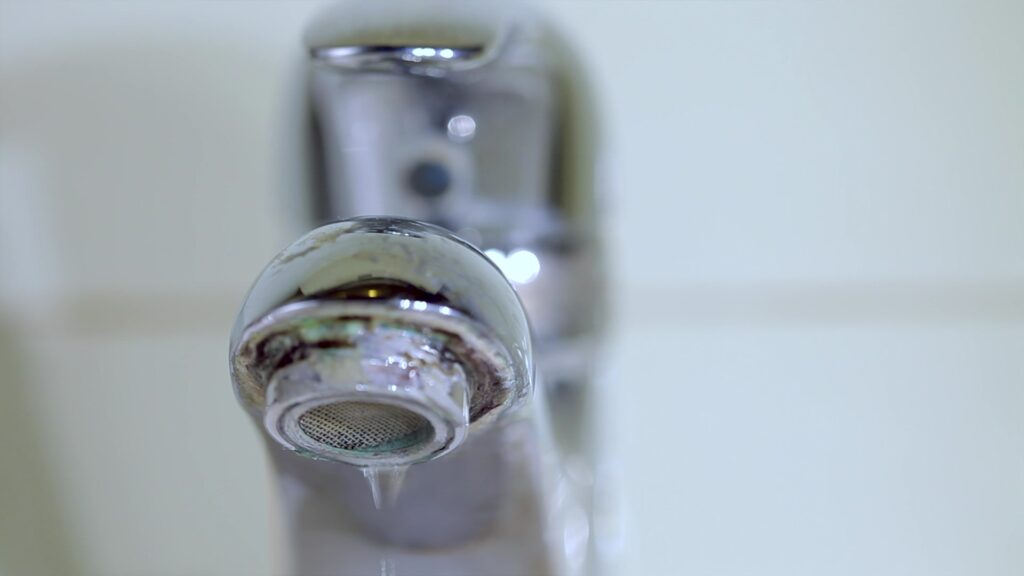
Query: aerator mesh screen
{"type": "Point", "coordinates": [364, 427]}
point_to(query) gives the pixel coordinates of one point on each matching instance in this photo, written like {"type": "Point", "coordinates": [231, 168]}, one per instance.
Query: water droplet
{"type": "Point", "coordinates": [387, 567]}
{"type": "Point", "coordinates": [385, 484]}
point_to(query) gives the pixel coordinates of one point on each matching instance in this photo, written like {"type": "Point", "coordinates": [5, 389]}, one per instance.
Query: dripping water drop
{"type": "Point", "coordinates": [385, 484]}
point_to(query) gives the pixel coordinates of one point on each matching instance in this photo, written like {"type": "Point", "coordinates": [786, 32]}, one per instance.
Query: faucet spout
{"type": "Point", "coordinates": [393, 346]}
{"type": "Point", "coordinates": [380, 343]}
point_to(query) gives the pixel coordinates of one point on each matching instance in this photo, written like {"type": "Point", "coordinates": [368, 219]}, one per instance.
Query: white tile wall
{"type": "Point", "coordinates": [814, 211]}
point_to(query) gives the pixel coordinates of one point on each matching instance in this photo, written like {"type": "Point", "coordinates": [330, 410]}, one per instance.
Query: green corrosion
{"type": "Point", "coordinates": [329, 329]}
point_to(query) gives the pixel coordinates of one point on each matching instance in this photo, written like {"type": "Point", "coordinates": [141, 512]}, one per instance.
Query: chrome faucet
{"type": "Point", "coordinates": [387, 357]}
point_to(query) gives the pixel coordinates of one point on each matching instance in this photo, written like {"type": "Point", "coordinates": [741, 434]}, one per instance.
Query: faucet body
{"type": "Point", "coordinates": [474, 120]}
{"type": "Point", "coordinates": [484, 127]}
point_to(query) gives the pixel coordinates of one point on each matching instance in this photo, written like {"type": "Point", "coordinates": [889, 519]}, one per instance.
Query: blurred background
{"type": "Point", "coordinates": [814, 216]}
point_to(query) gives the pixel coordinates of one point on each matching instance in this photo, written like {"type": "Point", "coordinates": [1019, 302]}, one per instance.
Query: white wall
{"type": "Point", "coordinates": [814, 212]}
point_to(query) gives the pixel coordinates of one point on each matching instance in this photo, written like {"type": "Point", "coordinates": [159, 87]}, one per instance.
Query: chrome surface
{"type": "Point", "coordinates": [426, 60]}
{"type": "Point", "coordinates": [478, 125]}
{"type": "Point", "coordinates": [388, 312]}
